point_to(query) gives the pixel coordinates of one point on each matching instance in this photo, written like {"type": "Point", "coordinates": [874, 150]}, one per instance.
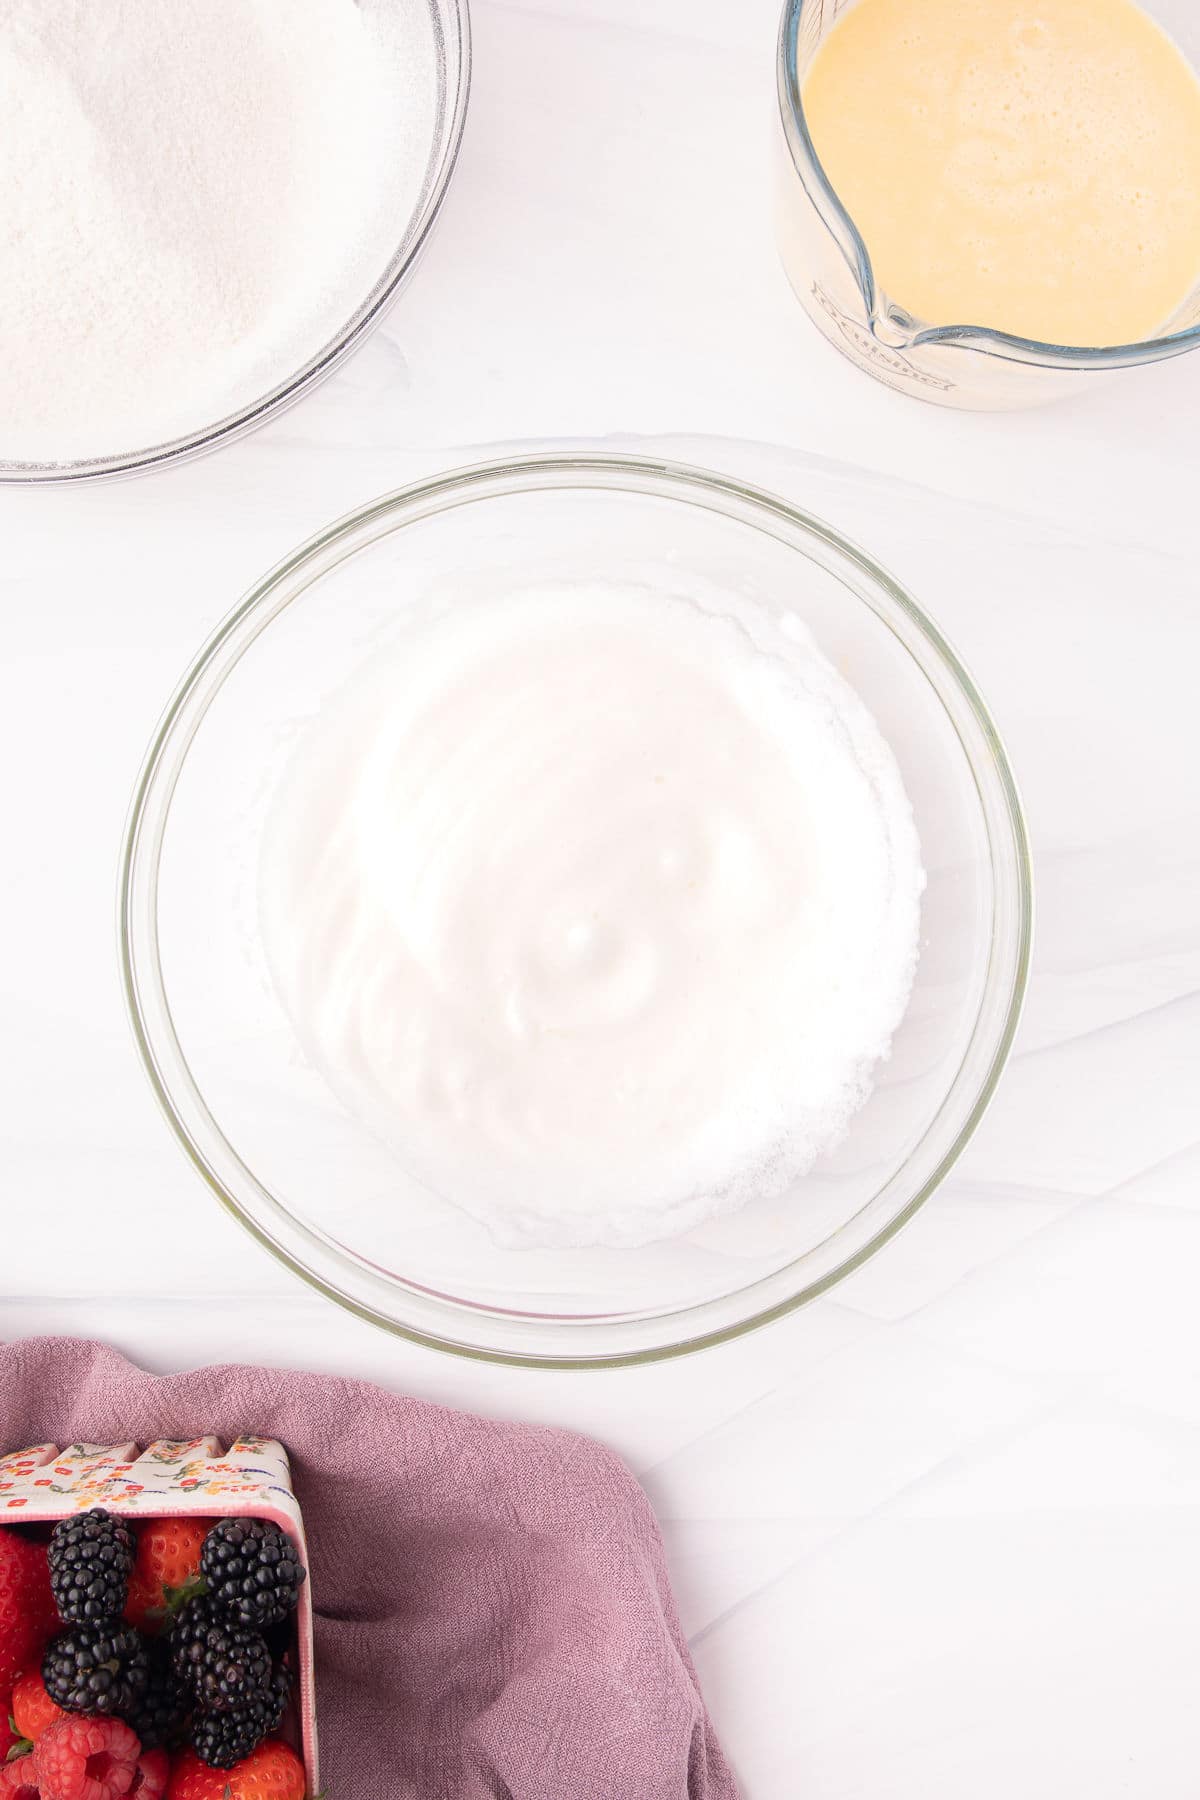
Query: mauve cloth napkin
{"type": "Point", "coordinates": [494, 1620]}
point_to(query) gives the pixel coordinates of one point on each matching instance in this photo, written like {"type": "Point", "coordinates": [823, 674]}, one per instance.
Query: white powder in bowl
{"type": "Point", "coordinates": [196, 198]}
{"type": "Point", "coordinates": [599, 906]}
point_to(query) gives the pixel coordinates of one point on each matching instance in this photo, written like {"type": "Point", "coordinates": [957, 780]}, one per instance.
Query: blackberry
{"type": "Point", "coordinates": [160, 1716]}
{"type": "Point", "coordinates": [97, 1668]}
{"type": "Point", "coordinates": [223, 1666]}
{"type": "Point", "coordinates": [280, 1639]}
{"type": "Point", "coordinates": [223, 1738]}
{"type": "Point", "coordinates": [188, 1628]}
{"type": "Point", "coordinates": [253, 1571]}
{"type": "Point", "coordinates": [279, 1694]}
{"type": "Point", "coordinates": [90, 1556]}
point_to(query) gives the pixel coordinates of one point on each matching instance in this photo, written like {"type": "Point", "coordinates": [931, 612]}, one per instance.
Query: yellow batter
{"type": "Point", "coordinates": [1032, 165]}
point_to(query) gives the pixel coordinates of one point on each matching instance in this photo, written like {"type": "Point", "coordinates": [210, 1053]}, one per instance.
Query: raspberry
{"type": "Point", "coordinates": [18, 1780]}
{"type": "Point", "coordinates": [167, 1566]}
{"type": "Point", "coordinates": [151, 1775]}
{"type": "Point", "coordinates": [32, 1707]}
{"type": "Point", "coordinates": [96, 1669]}
{"type": "Point", "coordinates": [253, 1571]}
{"type": "Point", "coordinates": [90, 1557]}
{"type": "Point", "coordinates": [26, 1604]}
{"type": "Point", "coordinates": [86, 1759]}
{"type": "Point", "coordinates": [272, 1772]}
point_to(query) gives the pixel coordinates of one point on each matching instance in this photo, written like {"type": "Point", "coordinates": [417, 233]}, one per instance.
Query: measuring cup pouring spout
{"type": "Point", "coordinates": [894, 329]}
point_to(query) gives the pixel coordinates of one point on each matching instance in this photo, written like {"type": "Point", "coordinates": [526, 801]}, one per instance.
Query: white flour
{"type": "Point", "coordinates": [194, 200]}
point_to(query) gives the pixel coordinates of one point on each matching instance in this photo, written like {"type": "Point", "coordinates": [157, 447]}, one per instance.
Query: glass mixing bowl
{"type": "Point", "coordinates": [262, 1127]}
{"type": "Point", "coordinates": [451, 36]}
{"type": "Point", "coordinates": [951, 361]}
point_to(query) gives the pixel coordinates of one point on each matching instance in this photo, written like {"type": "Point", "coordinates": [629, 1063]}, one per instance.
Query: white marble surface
{"type": "Point", "coordinates": [937, 1535]}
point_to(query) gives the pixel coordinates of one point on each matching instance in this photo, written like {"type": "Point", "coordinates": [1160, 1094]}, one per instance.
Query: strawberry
{"type": "Point", "coordinates": [32, 1707]}
{"type": "Point", "coordinates": [27, 1613]}
{"type": "Point", "coordinates": [272, 1772]}
{"type": "Point", "coordinates": [166, 1569]}
{"type": "Point", "coordinates": [10, 1736]}
{"type": "Point", "coordinates": [12, 1744]}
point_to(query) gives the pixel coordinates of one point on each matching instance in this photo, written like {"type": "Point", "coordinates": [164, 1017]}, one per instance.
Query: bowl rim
{"type": "Point", "coordinates": [628, 474]}
{"type": "Point", "coordinates": [364, 319]}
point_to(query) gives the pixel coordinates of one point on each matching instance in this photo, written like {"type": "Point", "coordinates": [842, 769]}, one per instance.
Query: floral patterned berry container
{"type": "Point", "coordinates": [252, 1478]}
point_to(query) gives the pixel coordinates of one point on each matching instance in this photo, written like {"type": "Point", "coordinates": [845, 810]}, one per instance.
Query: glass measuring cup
{"type": "Point", "coordinates": [829, 266]}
